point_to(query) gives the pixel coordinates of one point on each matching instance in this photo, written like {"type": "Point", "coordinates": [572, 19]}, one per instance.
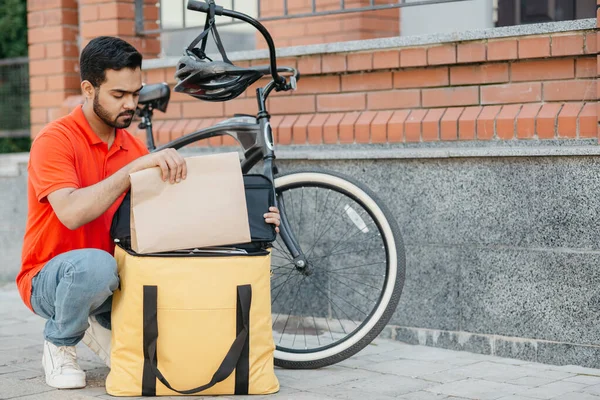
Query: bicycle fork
{"type": "Point", "coordinates": [287, 235]}
{"type": "Point", "coordinates": [266, 141]}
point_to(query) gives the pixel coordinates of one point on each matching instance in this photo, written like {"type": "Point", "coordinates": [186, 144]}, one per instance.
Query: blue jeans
{"type": "Point", "coordinates": [71, 287]}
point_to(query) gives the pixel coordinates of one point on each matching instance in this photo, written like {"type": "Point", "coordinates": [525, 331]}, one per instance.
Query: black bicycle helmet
{"type": "Point", "coordinates": [212, 80]}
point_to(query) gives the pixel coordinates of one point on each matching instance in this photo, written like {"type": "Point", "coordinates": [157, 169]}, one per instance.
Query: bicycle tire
{"type": "Point", "coordinates": [395, 270]}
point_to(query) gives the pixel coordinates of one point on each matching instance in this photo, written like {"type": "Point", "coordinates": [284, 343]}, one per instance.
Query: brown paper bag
{"type": "Point", "coordinates": [206, 209]}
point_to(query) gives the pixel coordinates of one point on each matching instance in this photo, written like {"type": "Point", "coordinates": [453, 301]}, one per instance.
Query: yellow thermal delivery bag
{"type": "Point", "coordinates": [192, 324]}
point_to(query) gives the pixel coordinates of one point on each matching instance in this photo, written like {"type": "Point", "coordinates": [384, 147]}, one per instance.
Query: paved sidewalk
{"type": "Point", "coordinates": [384, 370]}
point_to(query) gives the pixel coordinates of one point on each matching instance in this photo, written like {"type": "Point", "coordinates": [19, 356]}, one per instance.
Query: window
{"type": "Point", "coordinates": [517, 12]}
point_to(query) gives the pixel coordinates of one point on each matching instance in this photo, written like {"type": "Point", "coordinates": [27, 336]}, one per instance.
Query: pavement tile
{"type": "Point", "coordinates": [427, 396]}
{"type": "Point", "coordinates": [388, 385]}
{"type": "Point", "coordinates": [22, 374]}
{"type": "Point", "coordinates": [444, 376]}
{"type": "Point", "coordinates": [493, 371]}
{"type": "Point", "coordinates": [553, 389]}
{"type": "Point", "coordinates": [345, 392]}
{"type": "Point", "coordinates": [293, 396]}
{"type": "Point", "coordinates": [477, 389]}
{"type": "Point", "coordinates": [6, 369]}
{"type": "Point", "coordinates": [12, 387]}
{"type": "Point", "coordinates": [585, 379]}
{"type": "Point", "coordinates": [311, 379]}
{"type": "Point", "coordinates": [549, 374]}
{"type": "Point", "coordinates": [594, 389]}
{"type": "Point", "coordinates": [385, 370]}
{"type": "Point", "coordinates": [576, 396]}
{"type": "Point", "coordinates": [422, 353]}
{"type": "Point", "coordinates": [531, 381]}
{"type": "Point", "coordinates": [576, 369]}
{"type": "Point", "coordinates": [59, 395]}
{"type": "Point", "coordinates": [409, 368]}
{"type": "Point", "coordinates": [12, 343]}
{"type": "Point", "coordinates": [284, 392]}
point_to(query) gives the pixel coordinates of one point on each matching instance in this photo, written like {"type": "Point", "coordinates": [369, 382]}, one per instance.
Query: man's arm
{"type": "Point", "coordinates": [77, 207]}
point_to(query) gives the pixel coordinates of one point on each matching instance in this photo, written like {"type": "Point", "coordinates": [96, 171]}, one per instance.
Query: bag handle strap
{"type": "Point", "coordinates": [228, 365]}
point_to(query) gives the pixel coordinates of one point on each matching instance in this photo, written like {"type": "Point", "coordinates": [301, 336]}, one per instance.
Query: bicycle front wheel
{"type": "Point", "coordinates": [356, 265]}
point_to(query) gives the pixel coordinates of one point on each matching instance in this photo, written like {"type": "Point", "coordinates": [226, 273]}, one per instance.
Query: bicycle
{"type": "Point", "coordinates": [338, 276]}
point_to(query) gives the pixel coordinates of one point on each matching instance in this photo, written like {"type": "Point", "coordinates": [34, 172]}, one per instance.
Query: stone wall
{"type": "Point", "coordinates": [501, 243]}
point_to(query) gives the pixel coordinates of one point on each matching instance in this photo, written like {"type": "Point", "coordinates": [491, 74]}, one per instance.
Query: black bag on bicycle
{"type": "Point", "coordinates": [260, 195]}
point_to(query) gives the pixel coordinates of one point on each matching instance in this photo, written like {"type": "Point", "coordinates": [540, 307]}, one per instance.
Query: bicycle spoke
{"type": "Point", "coordinates": [336, 316]}
{"type": "Point", "coordinates": [341, 254]}
{"type": "Point", "coordinates": [316, 212]}
{"type": "Point", "coordinates": [296, 333]}
{"type": "Point", "coordinates": [333, 309]}
{"type": "Point", "coordinates": [273, 302]}
{"type": "Point", "coordinates": [327, 230]}
{"type": "Point", "coordinates": [278, 277]}
{"type": "Point", "coordinates": [301, 206]}
{"type": "Point", "coordinates": [359, 282]}
{"type": "Point", "coordinates": [293, 305]}
{"type": "Point", "coordinates": [278, 293]}
{"type": "Point", "coordinates": [379, 275]}
{"type": "Point", "coordinates": [353, 289]}
{"type": "Point", "coordinates": [284, 260]}
{"type": "Point", "coordinates": [284, 266]}
{"type": "Point", "coordinates": [294, 219]}
{"type": "Point", "coordinates": [285, 255]}
{"type": "Point", "coordinates": [350, 304]}
{"type": "Point", "coordinates": [304, 330]}
{"type": "Point", "coordinates": [319, 219]}
{"type": "Point", "coordinates": [317, 330]}
{"type": "Point", "coordinates": [371, 237]}
{"type": "Point", "coordinates": [356, 266]}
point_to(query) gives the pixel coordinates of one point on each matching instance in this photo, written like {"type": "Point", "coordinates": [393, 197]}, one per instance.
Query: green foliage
{"type": "Point", "coordinates": [14, 145]}
{"type": "Point", "coordinates": [14, 79]}
{"type": "Point", "coordinates": [13, 28]}
{"type": "Point", "coordinates": [14, 97]}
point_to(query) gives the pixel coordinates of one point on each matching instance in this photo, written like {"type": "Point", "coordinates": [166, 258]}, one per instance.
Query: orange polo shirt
{"type": "Point", "coordinates": [68, 154]}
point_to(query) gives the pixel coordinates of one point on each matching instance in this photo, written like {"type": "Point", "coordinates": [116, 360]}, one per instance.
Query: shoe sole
{"type": "Point", "coordinates": [63, 386]}
{"type": "Point", "coordinates": [96, 348]}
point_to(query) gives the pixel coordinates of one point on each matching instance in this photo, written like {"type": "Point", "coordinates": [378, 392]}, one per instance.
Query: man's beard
{"type": "Point", "coordinates": [106, 117]}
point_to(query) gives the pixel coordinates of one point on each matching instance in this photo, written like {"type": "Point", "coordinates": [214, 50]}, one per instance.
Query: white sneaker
{"type": "Point", "coordinates": [61, 368]}
{"type": "Point", "coordinates": [97, 338]}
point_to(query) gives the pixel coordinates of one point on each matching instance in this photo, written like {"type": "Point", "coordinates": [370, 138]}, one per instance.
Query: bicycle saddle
{"type": "Point", "coordinates": [212, 80]}
{"type": "Point", "coordinates": [157, 95]}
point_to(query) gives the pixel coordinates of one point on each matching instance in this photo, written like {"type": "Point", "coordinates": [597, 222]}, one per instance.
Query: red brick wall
{"type": "Point", "coordinates": [53, 54]}
{"type": "Point", "coordinates": [516, 88]}
{"type": "Point", "coordinates": [55, 27]}
{"type": "Point", "coordinates": [540, 87]}
{"type": "Point", "coordinates": [117, 18]}
{"type": "Point", "coordinates": [328, 28]}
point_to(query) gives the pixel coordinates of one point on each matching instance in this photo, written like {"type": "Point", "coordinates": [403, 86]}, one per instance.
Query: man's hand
{"type": "Point", "coordinates": [273, 217]}
{"type": "Point", "coordinates": [171, 163]}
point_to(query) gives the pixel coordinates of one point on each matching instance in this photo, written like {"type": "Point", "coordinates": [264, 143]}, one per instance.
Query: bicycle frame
{"type": "Point", "coordinates": [254, 134]}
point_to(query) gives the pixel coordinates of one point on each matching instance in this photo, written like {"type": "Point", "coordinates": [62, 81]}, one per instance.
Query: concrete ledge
{"type": "Point", "coordinates": [559, 148]}
{"type": "Point", "coordinates": [399, 41]}
{"type": "Point", "coordinates": [535, 350]}
{"type": "Point", "coordinates": [9, 164]}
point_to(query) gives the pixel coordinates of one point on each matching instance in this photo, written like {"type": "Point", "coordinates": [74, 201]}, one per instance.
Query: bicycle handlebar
{"type": "Point", "coordinates": [196, 5]}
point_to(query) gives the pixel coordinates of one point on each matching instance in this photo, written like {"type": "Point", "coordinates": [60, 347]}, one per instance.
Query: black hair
{"type": "Point", "coordinates": [106, 52]}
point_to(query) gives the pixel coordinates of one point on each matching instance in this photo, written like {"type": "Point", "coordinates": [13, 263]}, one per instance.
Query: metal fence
{"type": "Point", "coordinates": [14, 97]}
{"type": "Point", "coordinates": [189, 20]}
